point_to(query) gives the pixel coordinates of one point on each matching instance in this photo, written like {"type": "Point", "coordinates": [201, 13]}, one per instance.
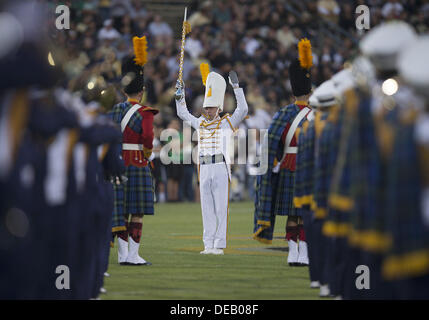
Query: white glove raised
{"type": "Point", "coordinates": [233, 79]}
{"type": "Point", "coordinates": [180, 91]}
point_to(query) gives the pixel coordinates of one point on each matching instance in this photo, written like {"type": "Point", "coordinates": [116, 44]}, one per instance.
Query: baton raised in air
{"type": "Point", "coordinates": [186, 28]}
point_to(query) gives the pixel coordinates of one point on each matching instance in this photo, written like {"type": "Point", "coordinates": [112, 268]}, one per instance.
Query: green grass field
{"type": "Point", "coordinates": [172, 240]}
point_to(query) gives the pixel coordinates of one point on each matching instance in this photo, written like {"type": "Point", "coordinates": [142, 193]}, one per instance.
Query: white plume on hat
{"type": "Point", "coordinates": [215, 91]}
{"type": "Point", "coordinates": [384, 42]}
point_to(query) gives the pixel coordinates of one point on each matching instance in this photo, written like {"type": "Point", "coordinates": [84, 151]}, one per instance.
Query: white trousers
{"type": "Point", "coordinates": [214, 192]}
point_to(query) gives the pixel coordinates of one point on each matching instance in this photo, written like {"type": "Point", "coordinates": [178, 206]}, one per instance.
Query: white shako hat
{"type": "Point", "coordinates": [312, 101]}
{"type": "Point", "coordinates": [326, 94]}
{"type": "Point", "coordinates": [384, 42]}
{"type": "Point", "coordinates": [413, 65]}
{"type": "Point", "coordinates": [215, 91]}
{"type": "Point", "coordinates": [343, 80]}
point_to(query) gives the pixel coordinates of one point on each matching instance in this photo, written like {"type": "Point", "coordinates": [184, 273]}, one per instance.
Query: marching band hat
{"type": "Point", "coordinates": [343, 80]}
{"type": "Point", "coordinates": [413, 64]}
{"type": "Point", "coordinates": [384, 42]}
{"type": "Point", "coordinates": [313, 102]}
{"type": "Point", "coordinates": [215, 91]}
{"type": "Point", "coordinates": [132, 67]}
{"type": "Point", "coordinates": [326, 94]}
{"type": "Point", "coordinates": [299, 69]}
{"type": "Point", "coordinates": [133, 78]}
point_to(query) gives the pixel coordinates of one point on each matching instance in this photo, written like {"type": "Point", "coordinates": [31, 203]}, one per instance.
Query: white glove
{"type": "Point", "coordinates": [152, 156]}
{"type": "Point", "coordinates": [233, 79]}
{"type": "Point", "coordinates": [180, 91]}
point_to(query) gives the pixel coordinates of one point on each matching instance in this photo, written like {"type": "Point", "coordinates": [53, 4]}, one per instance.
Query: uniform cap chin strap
{"type": "Point", "coordinates": [217, 112]}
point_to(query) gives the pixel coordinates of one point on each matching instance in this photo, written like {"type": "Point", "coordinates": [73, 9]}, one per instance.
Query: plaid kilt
{"type": "Point", "coordinates": [135, 196]}
{"type": "Point", "coordinates": [138, 191]}
{"type": "Point", "coordinates": [118, 216]}
{"type": "Point", "coordinates": [275, 190]}
{"type": "Point", "coordinates": [283, 194]}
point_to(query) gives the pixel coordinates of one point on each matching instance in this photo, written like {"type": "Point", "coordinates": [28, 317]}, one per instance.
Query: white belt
{"type": "Point", "coordinates": [132, 146]}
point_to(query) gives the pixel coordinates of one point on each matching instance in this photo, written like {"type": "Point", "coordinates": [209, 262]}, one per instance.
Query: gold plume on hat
{"type": "Point", "coordinates": [204, 69]}
{"type": "Point", "coordinates": [304, 53]}
{"type": "Point", "coordinates": [140, 50]}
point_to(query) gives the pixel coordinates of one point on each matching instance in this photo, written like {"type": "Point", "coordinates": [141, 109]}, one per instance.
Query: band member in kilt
{"type": "Point", "coordinates": [134, 197]}
{"type": "Point", "coordinates": [275, 187]}
{"type": "Point", "coordinates": [214, 136]}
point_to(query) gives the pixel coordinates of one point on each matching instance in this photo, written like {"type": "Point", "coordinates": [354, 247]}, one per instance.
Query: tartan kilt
{"type": "Point", "coordinates": [284, 192]}
{"type": "Point", "coordinates": [135, 196]}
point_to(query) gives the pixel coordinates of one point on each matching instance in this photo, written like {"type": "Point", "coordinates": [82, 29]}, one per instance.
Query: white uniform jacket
{"type": "Point", "coordinates": [214, 137]}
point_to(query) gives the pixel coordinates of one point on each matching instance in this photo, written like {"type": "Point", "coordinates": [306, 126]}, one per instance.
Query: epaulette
{"type": "Point", "coordinates": [298, 130]}
{"type": "Point", "coordinates": [319, 124]}
{"type": "Point", "coordinates": [305, 126]}
{"type": "Point", "coordinates": [351, 102]}
{"type": "Point", "coordinates": [333, 114]}
{"type": "Point", "coordinates": [153, 110]}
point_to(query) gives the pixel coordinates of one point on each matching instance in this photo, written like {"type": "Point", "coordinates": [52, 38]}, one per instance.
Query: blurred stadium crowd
{"type": "Point", "coordinates": [256, 38]}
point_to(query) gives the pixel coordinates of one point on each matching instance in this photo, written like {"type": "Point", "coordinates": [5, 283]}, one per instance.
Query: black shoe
{"type": "Point", "coordinates": [147, 263]}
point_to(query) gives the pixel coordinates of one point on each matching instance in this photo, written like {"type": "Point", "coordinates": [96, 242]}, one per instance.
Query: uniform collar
{"type": "Point", "coordinates": [301, 103]}
{"type": "Point", "coordinates": [213, 120]}
{"type": "Point", "coordinates": [133, 101]}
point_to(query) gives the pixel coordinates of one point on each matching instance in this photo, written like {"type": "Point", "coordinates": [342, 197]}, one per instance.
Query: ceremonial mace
{"type": "Point", "coordinates": [186, 28]}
